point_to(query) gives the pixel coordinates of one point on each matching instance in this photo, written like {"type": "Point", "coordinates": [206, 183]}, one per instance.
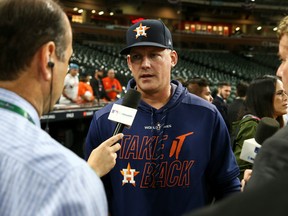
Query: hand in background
{"type": "Point", "coordinates": [103, 158]}
{"type": "Point", "coordinates": [246, 177]}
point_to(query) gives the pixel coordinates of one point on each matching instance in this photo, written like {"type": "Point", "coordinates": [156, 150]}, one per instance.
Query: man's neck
{"type": "Point", "coordinates": [24, 91]}
{"type": "Point", "coordinates": [159, 99]}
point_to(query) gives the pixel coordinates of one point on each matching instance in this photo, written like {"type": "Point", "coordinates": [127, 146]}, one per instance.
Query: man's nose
{"type": "Point", "coordinates": [279, 71]}
{"type": "Point", "coordinates": [145, 62]}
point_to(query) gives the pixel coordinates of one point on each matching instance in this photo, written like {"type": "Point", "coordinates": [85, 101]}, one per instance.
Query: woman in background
{"type": "Point", "coordinates": [266, 97]}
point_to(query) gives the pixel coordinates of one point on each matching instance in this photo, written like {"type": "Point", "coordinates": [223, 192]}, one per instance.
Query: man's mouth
{"type": "Point", "coordinates": [146, 76]}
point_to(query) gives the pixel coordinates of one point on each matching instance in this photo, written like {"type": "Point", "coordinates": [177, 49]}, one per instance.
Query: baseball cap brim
{"type": "Point", "coordinates": [127, 49]}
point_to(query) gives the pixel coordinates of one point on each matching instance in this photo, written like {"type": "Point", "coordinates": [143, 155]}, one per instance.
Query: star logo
{"type": "Point", "coordinates": [141, 30]}
{"type": "Point", "coordinates": [128, 175]}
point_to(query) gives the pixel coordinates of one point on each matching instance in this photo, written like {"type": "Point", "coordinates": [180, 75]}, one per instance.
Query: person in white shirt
{"type": "Point", "coordinates": [39, 176]}
{"type": "Point", "coordinates": [71, 83]}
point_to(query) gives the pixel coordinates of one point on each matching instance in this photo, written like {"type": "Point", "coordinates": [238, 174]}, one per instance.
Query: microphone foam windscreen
{"type": "Point", "coordinates": [265, 129]}
{"type": "Point", "coordinates": [131, 98]}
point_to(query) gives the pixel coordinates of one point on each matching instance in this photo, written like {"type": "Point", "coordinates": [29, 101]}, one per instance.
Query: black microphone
{"type": "Point", "coordinates": [265, 129]}
{"type": "Point", "coordinates": [124, 114]}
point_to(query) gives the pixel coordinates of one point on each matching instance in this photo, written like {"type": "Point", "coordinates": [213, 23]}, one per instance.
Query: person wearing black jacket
{"type": "Point", "coordinates": [97, 85]}
{"type": "Point", "coordinates": [267, 189]}
{"type": "Point", "coordinates": [220, 100]}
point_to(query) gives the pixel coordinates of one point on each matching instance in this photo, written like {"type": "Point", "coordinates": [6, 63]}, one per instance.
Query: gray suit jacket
{"type": "Point", "coordinates": [267, 191]}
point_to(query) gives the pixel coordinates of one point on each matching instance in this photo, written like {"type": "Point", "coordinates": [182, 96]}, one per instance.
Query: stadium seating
{"type": "Point", "coordinates": [214, 65]}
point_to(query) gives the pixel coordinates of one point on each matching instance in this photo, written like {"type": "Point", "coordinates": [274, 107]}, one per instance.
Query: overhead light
{"type": "Point", "coordinates": [93, 11]}
{"type": "Point", "coordinates": [101, 13]}
{"type": "Point", "coordinates": [111, 13]}
{"type": "Point", "coordinates": [275, 29]}
{"type": "Point", "coordinates": [75, 9]}
{"type": "Point", "coordinates": [259, 28]}
{"type": "Point", "coordinates": [80, 11]}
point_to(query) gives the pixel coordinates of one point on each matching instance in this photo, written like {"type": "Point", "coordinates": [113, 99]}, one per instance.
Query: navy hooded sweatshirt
{"type": "Point", "coordinates": [172, 160]}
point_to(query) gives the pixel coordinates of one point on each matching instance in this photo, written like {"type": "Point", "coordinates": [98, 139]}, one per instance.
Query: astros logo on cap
{"type": "Point", "coordinates": [141, 30]}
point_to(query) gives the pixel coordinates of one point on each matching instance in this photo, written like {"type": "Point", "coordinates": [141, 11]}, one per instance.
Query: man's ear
{"type": "Point", "coordinates": [46, 56]}
{"type": "Point", "coordinates": [174, 58]}
{"type": "Point", "coordinates": [129, 62]}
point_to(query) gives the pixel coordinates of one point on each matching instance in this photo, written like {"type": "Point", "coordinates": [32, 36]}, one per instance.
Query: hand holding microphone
{"type": "Point", "coordinates": [103, 158]}
{"type": "Point", "coordinates": [246, 178]}
{"type": "Point", "coordinates": [124, 114]}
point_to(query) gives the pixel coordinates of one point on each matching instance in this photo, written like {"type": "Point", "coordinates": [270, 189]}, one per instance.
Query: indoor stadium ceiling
{"type": "Point", "coordinates": [264, 5]}
{"type": "Point", "coordinates": [235, 3]}
{"type": "Point", "coordinates": [249, 4]}
{"type": "Point", "coordinates": [267, 12]}
{"type": "Point", "coordinates": [264, 12]}
{"type": "Point", "coordinates": [263, 2]}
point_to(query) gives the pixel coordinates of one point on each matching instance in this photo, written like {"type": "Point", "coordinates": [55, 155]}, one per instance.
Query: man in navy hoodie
{"type": "Point", "coordinates": [176, 156]}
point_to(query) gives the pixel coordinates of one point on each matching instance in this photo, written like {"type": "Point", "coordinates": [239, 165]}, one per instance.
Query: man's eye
{"type": "Point", "coordinates": [154, 55]}
{"type": "Point", "coordinates": [135, 57]}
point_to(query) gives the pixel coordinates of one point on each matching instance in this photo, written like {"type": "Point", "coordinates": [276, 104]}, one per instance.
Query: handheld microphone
{"type": "Point", "coordinates": [266, 128]}
{"type": "Point", "coordinates": [124, 114]}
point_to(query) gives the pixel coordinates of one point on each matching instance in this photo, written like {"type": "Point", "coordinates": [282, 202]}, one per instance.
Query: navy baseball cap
{"type": "Point", "coordinates": [148, 33]}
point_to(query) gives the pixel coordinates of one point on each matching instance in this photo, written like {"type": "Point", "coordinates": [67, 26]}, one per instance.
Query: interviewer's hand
{"type": "Point", "coordinates": [246, 177]}
{"type": "Point", "coordinates": [103, 158]}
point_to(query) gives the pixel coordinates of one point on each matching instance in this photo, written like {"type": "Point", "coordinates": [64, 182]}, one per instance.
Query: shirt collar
{"type": "Point", "coordinates": [15, 99]}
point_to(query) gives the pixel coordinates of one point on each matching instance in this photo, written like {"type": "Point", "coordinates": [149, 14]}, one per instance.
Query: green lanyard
{"type": "Point", "coordinates": [16, 109]}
